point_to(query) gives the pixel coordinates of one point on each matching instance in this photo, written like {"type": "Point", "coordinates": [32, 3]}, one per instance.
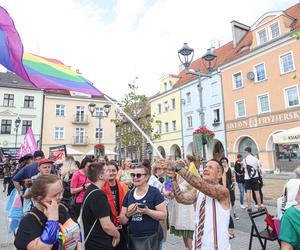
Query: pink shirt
{"type": "Point", "coordinates": [78, 179]}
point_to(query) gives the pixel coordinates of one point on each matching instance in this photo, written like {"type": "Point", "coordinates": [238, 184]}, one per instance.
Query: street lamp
{"type": "Point", "coordinates": [186, 55]}
{"type": "Point", "coordinates": [17, 124]}
{"type": "Point", "coordinates": [92, 108]}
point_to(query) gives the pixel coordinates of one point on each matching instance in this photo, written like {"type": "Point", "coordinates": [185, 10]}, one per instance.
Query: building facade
{"type": "Point", "coordinates": [261, 89]}
{"type": "Point", "coordinates": [67, 121]}
{"type": "Point", "coordinates": [166, 108]}
{"type": "Point", "coordinates": [213, 114]}
{"type": "Point", "coordinates": [19, 99]}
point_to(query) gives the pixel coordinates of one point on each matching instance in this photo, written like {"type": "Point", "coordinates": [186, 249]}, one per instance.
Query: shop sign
{"type": "Point", "coordinates": [263, 120]}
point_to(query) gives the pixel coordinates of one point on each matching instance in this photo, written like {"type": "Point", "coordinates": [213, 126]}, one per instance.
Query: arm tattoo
{"type": "Point", "coordinates": [186, 198]}
{"type": "Point", "coordinates": [218, 192]}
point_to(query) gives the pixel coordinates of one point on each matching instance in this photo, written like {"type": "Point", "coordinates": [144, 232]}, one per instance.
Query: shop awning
{"type": "Point", "coordinates": [71, 151]}
{"type": "Point", "coordinates": [290, 136]}
{"type": "Point", "coordinates": [107, 152]}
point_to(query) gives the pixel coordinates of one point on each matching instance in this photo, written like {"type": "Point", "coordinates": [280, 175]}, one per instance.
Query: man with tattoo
{"type": "Point", "coordinates": [212, 207]}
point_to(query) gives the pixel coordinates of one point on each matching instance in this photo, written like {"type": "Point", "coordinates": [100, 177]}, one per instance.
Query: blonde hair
{"type": "Point", "coordinates": [68, 168]}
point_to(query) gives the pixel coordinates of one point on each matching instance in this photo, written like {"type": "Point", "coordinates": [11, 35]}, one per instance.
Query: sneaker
{"type": "Point", "coordinates": [242, 206]}
{"type": "Point", "coordinates": [256, 206]}
{"type": "Point", "coordinates": [236, 217]}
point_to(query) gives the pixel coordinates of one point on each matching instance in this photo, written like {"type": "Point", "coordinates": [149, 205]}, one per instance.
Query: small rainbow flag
{"type": "Point", "coordinates": [43, 73]}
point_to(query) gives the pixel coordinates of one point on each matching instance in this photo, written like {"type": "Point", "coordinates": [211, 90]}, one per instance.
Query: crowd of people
{"type": "Point", "coordinates": [103, 204]}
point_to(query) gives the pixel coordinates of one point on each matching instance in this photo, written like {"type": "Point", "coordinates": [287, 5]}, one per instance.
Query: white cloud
{"type": "Point", "coordinates": [139, 42]}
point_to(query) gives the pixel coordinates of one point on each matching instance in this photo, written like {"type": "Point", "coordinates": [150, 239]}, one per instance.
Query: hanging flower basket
{"type": "Point", "coordinates": [202, 136]}
{"type": "Point", "coordinates": [99, 150]}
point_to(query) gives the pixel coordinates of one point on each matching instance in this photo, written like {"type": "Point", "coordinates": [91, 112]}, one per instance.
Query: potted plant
{"type": "Point", "coordinates": [99, 150]}
{"type": "Point", "coordinates": [202, 136]}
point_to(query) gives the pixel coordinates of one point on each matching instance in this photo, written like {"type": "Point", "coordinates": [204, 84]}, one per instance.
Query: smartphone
{"type": "Point", "coordinates": [140, 205]}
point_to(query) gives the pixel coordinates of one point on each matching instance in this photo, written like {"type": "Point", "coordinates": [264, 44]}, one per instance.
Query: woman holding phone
{"type": "Point", "coordinates": [143, 208]}
{"type": "Point", "coordinates": [39, 228]}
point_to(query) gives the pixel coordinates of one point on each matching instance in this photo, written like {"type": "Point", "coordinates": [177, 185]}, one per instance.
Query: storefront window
{"type": "Point", "coordinates": [287, 153]}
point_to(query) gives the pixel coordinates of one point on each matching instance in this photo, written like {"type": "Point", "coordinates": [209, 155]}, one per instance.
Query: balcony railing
{"type": "Point", "coordinates": [80, 119]}
{"type": "Point", "coordinates": [80, 140]}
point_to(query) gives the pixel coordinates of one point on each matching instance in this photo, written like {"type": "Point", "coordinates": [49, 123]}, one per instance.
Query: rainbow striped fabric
{"type": "Point", "coordinates": [47, 73]}
{"type": "Point", "coordinates": [43, 73]}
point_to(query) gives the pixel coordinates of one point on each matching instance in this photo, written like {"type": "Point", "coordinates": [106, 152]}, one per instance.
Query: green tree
{"type": "Point", "coordinates": [138, 108]}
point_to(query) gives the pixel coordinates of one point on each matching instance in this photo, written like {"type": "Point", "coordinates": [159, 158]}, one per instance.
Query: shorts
{"type": "Point", "coordinates": [252, 184]}
{"type": "Point", "coordinates": [6, 180]}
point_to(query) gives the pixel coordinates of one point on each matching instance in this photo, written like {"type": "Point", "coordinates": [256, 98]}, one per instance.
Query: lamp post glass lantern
{"type": "Point", "coordinates": [186, 55]}
{"type": "Point", "coordinates": [17, 124]}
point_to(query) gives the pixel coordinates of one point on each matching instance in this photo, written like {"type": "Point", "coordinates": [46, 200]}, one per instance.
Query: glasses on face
{"type": "Point", "coordinates": [139, 175]}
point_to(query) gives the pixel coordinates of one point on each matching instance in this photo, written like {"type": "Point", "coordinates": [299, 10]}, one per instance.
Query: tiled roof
{"type": "Point", "coordinates": [10, 80]}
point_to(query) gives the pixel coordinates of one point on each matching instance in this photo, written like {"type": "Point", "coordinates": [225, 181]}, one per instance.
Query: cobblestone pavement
{"type": "Point", "coordinates": [242, 225]}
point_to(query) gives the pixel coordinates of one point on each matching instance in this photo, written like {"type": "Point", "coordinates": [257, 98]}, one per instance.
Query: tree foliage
{"type": "Point", "coordinates": [138, 108]}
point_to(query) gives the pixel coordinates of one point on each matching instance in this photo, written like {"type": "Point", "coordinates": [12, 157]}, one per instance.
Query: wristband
{"type": "Point", "coordinates": [50, 232]}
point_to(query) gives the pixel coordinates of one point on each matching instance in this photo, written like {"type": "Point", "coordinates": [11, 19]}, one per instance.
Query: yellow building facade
{"type": "Point", "coordinates": [67, 121]}
{"type": "Point", "coordinates": [166, 108]}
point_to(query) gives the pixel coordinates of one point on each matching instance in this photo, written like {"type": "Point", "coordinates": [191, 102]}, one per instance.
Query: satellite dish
{"type": "Point", "coordinates": [250, 76]}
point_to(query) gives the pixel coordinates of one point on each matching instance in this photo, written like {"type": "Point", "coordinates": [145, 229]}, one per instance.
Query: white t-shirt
{"type": "Point", "coordinates": [252, 161]}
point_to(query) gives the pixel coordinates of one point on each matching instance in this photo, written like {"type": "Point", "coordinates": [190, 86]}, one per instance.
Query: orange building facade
{"type": "Point", "coordinates": [261, 89]}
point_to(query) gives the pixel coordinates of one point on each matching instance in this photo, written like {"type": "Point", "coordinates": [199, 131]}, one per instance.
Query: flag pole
{"type": "Point", "coordinates": [134, 124]}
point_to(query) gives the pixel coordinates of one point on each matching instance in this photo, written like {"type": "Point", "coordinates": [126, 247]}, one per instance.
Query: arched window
{"type": "Point", "coordinates": [248, 142]}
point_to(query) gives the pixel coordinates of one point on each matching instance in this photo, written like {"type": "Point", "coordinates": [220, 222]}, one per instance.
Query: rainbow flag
{"type": "Point", "coordinates": [43, 73]}
{"type": "Point", "coordinates": [11, 47]}
{"type": "Point", "coordinates": [47, 73]}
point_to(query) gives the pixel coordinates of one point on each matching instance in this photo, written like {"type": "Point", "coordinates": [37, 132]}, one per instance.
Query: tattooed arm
{"type": "Point", "coordinates": [186, 198]}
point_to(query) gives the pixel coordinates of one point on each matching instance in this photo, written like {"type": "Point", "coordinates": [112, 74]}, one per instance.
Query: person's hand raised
{"type": "Point", "coordinates": [51, 210]}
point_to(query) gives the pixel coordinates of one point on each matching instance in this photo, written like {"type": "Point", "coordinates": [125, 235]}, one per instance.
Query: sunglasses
{"type": "Point", "coordinates": [136, 175]}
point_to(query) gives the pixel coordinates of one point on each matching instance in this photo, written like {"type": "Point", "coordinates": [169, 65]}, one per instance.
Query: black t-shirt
{"type": "Point", "coordinates": [7, 168]}
{"type": "Point", "coordinates": [115, 194]}
{"type": "Point", "coordinates": [229, 180]}
{"type": "Point", "coordinates": [96, 207]}
{"type": "Point", "coordinates": [30, 228]}
{"type": "Point", "coordinates": [240, 172]}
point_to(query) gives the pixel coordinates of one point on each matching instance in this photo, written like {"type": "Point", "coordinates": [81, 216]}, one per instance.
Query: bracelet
{"type": "Point", "coordinates": [50, 232]}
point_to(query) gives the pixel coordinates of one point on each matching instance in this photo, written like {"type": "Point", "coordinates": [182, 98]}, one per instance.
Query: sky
{"type": "Point", "coordinates": [116, 42]}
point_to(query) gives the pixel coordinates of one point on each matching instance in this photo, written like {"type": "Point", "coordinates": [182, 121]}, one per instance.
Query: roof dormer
{"type": "Point", "coordinates": [167, 82]}
{"type": "Point", "coordinates": [270, 26]}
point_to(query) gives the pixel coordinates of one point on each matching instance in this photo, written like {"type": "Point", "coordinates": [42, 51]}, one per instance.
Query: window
{"type": "Point", "coordinates": [214, 89]}
{"type": "Point", "coordinates": [5, 126]}
{"type": "Point", "coordinates": [59, 133]}
{"type": "Point", "coordinates": [260, 72]}
{"type": "Point", "coordinates": [238, 80]}
{"type": "Point", "coordinates": [274, 30]}
{"type": "Point", "coordinates": [8, 100]}
{"type": "Point", "coordinates": [25, 126]}
{"type": "Point", "coordinates": [159, 108]}
{"type": "Point", "coordinates": [292, 97]}
{"type": "Point", "coordinates": [97, 133]}
{"type": "Point", "coordinates": [188, 98]}
{"type": "Point", "coordinates": [79, 113]}
{"type": "Point", "coordinates": [159, 128]}
{"type": "Point", "coordinates": [79, 138]}
{"type": "Point", "coordinates": [60, 110]}
{"type": "Point", "coordinates": [189, 121]}
{"type": "Point", "coordinates": [173, 103]}
{"type": "Point", "coordinates": [262, 36]}
{"type": "Point", "coordinates": [165, 86]}
{"type": "Point", "coordinates": [216, 115]}
{"type": "Point", "coordinates": [166, 127]}
{"type": "Point", "coordinates": [28, 101]}
{"type": "Point", "coordinates": [263, 103]}
{"type": "Point", "coordinates": [166, 106]}
{"type": "Point", "coordinates": [240, 108]}
{"type": "Point", "coordinates": [174, 125]}
{"type": "Point", "coordinates": [286, 63]}
{"type": "Point", "coordinates": [99, 112]}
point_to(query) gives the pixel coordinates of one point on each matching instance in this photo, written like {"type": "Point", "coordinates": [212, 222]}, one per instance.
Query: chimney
{"type": "Point", "coordinates": [239, 31]}
{"type": "Point", "coordinates": [78, 71]}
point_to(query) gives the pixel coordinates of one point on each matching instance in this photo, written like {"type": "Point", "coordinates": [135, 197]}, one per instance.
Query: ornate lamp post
{"type": "Point", "coordinates": [92, 108]}
{"type": "Point", "coordinates": [17, 124]}
{"type": "Point", "coordinates": [186, 55]}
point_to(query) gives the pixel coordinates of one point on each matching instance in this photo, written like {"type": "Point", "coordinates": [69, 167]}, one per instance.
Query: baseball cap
{"type": "Point", "coordinates": [38, 153]}
{"type": "Point", "coordinates": [44, 161]}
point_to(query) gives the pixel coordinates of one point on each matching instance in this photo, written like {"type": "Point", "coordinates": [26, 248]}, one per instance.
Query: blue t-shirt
{"type": "Point", "coordinates": [27, 172]}
{"type": "Point", "coordinates": [139, 224]}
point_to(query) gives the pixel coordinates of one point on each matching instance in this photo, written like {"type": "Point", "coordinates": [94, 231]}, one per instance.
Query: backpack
{"type": "Point", "coordinates": [250, 170]}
